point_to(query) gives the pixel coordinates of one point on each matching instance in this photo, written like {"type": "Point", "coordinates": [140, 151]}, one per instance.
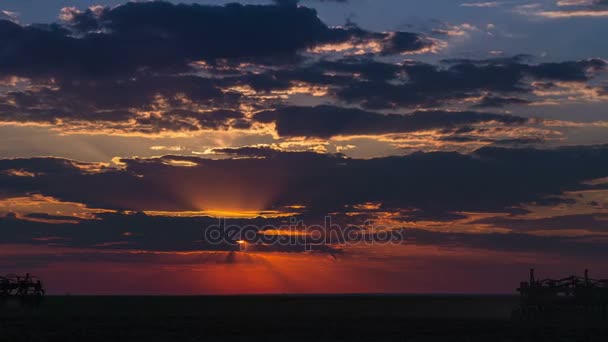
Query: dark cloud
{"type": "Point", "coordinates": [161, 36]}
{"type": "Point", "coordinates": [323, 73]}
{"type": "Point", "coordinates": [129, 68]}
{"type": "Point", "coordinates": [125, 69]}
{"type": "Point", "coordinates": [418, 187]}
{"type": "Point", "coordinates": [51, 218]}
{"type": "Point", "coordinates": [295, 2]}
{"type": "Point", "coordinates": [430, 85]}
{"type": "Point", "coordinates": [419, 215]}
{"type": "Point", "coordinates": [365, 68]}
{"type": "Point", "coordinates": [141, 232]}
{"type": "Point", "coordinates": [155, 35]}
{"type": "Point", "coordinates": [496, 82]}
{"type": "Point", "coordinates": [186, 120]}
{"type": "Point", "coordinates": [458, 138]}
{"type": "Point", "coordinates": [557, 71]}
{"type": "Point", "coordinates": [37, 50]}
{"type": "Point", "coordinates": [286, 2]}
{"type": "Point", "coordinates": [511, 242]}
{"type": "Point", "coordinates": [400, 42]}
{"type": "Point", "coordinates": [328, 121]}
{"type": "Point", "coordinates": [590, 222]}
{"type": "Point", "coordinates": [110, 234]}
{"type": "Point", "coordinates": [496, 102]}
{"type": "Point", "coordinates": [265, 82]}
{"type": "Point", "coordinates": [113, 94]}
{"type": "Point", "coordinates": [343, 71]}
{"type": "Point", "coordinates": [250, 151]}
{"type": "Point", "coordinates": [83, 21]}
{"type": "Point", "coordinates": [490, 179]}
{"type": "Point", "coordinates": [519, 141]}
{"type": "Point", "coordinates": [154, 104]}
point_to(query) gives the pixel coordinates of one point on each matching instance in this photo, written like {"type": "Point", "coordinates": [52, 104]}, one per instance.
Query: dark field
{"type": "Point", "coordinates": [284, 318]}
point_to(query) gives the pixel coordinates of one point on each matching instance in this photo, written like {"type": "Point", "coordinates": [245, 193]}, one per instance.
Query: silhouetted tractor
{"type": "Point", "coordinates": [571, 295]}
{"type": "Point", "coordinates": [28, 290]}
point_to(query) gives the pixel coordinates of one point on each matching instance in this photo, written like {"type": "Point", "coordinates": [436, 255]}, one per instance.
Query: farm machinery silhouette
{"type": "Point", "coordinates": [580, 296]}
{"type": "Point", "coordinates": [27, 289]}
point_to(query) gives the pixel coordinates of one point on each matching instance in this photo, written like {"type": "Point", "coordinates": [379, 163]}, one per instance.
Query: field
{"type": "Point", "coordinates": [283, 318]}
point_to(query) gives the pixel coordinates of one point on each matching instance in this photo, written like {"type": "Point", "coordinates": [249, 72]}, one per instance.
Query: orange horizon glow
{"type": "Point", "coordinates": [227, 213]}
{"type": "Point", "coordinates": [414, 269]}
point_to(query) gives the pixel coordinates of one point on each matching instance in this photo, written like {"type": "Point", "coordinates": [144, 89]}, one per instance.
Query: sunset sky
{"type": "Point", "coordinates": [474, 132]}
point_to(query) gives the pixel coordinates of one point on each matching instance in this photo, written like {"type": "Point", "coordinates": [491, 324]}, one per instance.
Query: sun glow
{"type": "Point", "coordinates": [224, 213]}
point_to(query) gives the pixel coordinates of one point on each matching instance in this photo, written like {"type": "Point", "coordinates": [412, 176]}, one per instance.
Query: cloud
{"type": "Point", "coordinates": [119, 237]}
{"type": "Point", "coordinates": [573, 9]}
{"type": "Point", "coordinates": [489, 179]}
{"type": "Point", "coordinates": [145, 105]}
{"type": "Point", "coordinates": [573, 14]}
{"type": "Point", "coordinates": [295, 2]}
{"type": "Point", "coordinates": [495, 102]}
{"type": "Point", "coordinates": [404, 42]}
{"type": "Point", "coordinates": [482, 4]}
{"type": "Point", "coordinates": [160, 36]}
{"type": "Point", "coordinates": [329, 121]}
{"type": "Point", "coordinates": [331, 73]}
{"type": "Point", "coordinates": [10, 16]}
{"type": "Point", "coordinates": [597, 223]}
{"type": "Point", "coordinates": [160, 68]}
{"type": "Point", "coordinates": [137, 232]}
{"type": "Point", "coordinates": [167, 104]}
{"type": "Point", "coordinates": [459, 138]}
{"type": "Point", "coordinates": [250, 151]}
{"type": "Point", "coordinates": [438, 187]}
{"type": "Point", "coordinates": [366, 68]}
{"type": "Point", "coordinates": [431, 85]}
{"type": "Point", "coordinates": [378, 85]}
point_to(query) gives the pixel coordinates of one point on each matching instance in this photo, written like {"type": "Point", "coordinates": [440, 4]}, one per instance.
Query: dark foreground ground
{"type": "Point", "coordinates": [285, 318]}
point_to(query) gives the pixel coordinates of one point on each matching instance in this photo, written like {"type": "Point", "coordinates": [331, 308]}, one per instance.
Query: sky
{"type": "Point", "coordinates": [337, 146]}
